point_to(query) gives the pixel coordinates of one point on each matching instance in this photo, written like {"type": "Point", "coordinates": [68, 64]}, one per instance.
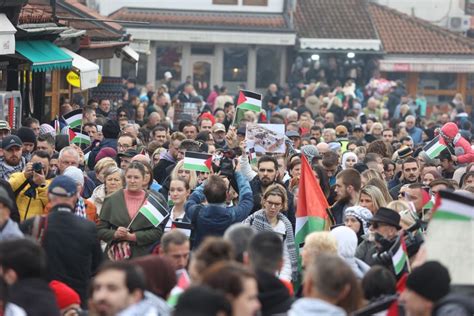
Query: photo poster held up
{"type": "Point", "coordinates": [266, 138]}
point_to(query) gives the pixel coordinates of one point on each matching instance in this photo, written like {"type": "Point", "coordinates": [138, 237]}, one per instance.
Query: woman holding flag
{"type": "Point", "coordinates": [129, 219]}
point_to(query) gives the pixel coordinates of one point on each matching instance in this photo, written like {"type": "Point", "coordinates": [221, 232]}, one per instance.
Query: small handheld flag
{"type": "Point", "coordinates": [400, 257]}
{"type": "Point", "coordinates": [73, 118]}
{"type": "Point", "coordinates": [153, 211]}
{"type": "Point", "coordinates": [434, 148]}
{"type": "Point", "coordinates": [197, 161]}
{"type": "Point", "coordinates": [78, 138]}
{"type": "Point", "coordinates": [249, 100]}
{"type": "Point", "coordinates": [183, 227]}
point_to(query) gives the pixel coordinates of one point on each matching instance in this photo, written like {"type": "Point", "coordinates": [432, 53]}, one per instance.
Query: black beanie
{"type": "Point", "coordinates": [26, 135]}
{"type": "Point", "coordinates": [111, 129]}
{"type": "Point", "coordinates": [430, 280]}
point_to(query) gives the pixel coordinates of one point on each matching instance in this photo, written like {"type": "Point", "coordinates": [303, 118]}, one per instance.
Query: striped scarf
{"type": "Point", "coordinates": [259, 221]}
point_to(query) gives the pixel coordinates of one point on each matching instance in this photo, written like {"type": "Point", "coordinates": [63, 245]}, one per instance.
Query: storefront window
{"type": "Point", "coordinates": [268, 66]}
{"type": "Point", "coordinates": [235, 64]}
{"type": "Point", "coordinates": [168, 58]}
{"type": "Point", "coordinates": [437, 81]}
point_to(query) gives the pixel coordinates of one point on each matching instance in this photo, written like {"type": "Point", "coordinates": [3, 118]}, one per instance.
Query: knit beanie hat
{"type": "Point", "coordinates": [26, 135]}
{"type": "Point", "coordinates": [106, 152]}
{"type": "Point", "coordinates": [311, 152]}
{"type": "Point", "coordinates": [65, 296]}
{"type": "Point", "coordinates": [111, 129]}
{"type": "Point", "coordinates": [430, 280]}
{"type": "Point", "coordinates": [47, 129]}
{"type": "Point", "coordinates": [75, 174]}
{"type": "Point", "coordinates": [362, 214]}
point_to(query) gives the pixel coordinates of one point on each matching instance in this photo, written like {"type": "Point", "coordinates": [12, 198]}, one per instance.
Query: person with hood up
{"type": "Point", "coordinates": [346, 248]}
{"type": "Point", "coordinates": [349, 159]}
{"type": "Point", "coordinates": [111, 130]}
{"type": "Point", "coordinates": [357, 218]}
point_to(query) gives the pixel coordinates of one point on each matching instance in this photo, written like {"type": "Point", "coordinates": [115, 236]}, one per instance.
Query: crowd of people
{"type": "Point", "coordinates": [73, 241]}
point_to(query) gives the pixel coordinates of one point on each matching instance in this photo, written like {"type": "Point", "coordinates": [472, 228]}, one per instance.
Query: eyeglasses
{"type": "Point", "coordinates": [377, 225]}
{"type": "Point", "coordinates": [273, 205]}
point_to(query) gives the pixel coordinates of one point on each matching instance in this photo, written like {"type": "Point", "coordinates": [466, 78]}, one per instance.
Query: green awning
{"type": "Point", "coordinates": [44, 55]}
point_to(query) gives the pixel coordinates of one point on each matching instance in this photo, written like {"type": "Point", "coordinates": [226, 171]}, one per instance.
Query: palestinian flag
{"type": "Point", "coordinates": [78, 138]}
{"type": "Point", "coordinates": [453, 207]}
{"type": "Point", "coordinates": [153, 211]}
{"type": "Point", "coordinates": [400, 257]}
{"type": "Point", "coordinates": [74, 118]}
{"type": "Point", "coordinates": [181, 286]}
{"type": "Point", "coordinates": [434, 148]}
{"type": "Point", "coordinates": [197, 161]}
{"type": "Point", "coordinates": [183, 227]}
{"type": "Point", "coordinates": [311, 214]}
{"type": "Point", "coordinates": [249, 100]}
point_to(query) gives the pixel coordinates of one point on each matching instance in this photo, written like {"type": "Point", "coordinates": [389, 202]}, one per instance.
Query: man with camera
{"type": "Point", "coordinates": [31, 186]}
{"type": "Point", "coordinates": [213, 218]}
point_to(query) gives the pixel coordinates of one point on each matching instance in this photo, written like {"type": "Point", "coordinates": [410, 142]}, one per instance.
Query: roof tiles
{"type": "Point", "coordinates": [203, 19]}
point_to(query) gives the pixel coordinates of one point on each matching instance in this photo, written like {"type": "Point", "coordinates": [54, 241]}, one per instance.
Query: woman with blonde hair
{"type": "Point", "coordinates": [369, 174]}
{"type": "Point", "coordinates": [382, 185]}
{"type": "Point", "coordinates": [371, 198]}
{"type": "Point", "coordinates": [188, 175]}
{"type": "Point", "coordinates": [114, 180]}
{"type": "Point", "coordinates": [317, 243]}
{"type": "Point", "coordinates": [398, 205]}
{"type": "Point", "coordinates": [270, 218]}
{"type": "Point", "coordinates": [376, 130]}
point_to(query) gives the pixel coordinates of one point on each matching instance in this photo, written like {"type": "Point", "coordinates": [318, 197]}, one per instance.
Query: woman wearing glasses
{"type": "Point", "coordinates": [270, 218]}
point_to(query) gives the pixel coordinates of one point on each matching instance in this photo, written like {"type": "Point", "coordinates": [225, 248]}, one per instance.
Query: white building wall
{"type": "Point", "coordinates": [434, 11]}
{"type": "Point", "coordinates": [108, 6]}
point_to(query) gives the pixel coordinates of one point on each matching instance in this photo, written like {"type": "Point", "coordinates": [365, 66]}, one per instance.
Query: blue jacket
{"type": "Point", "coordinates": [214, 219]}
{"type": "Point", "coordinates": [417, 134]}
{"type": "Point", "coordinates": [106, 142]}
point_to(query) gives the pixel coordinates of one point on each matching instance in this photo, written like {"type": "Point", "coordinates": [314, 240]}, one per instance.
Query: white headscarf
{"type": "Point", "coordinates": [347, 155]}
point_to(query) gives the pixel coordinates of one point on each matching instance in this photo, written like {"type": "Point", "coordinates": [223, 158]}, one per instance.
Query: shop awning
{"type": "Point", "coordinates": [340, 44]}
{"type": "Point", "coordinates": [43, 55]}
{"type": "Point", "coordinates": [87, 70]}
{"type": "Point", "coordinates": [427, 64]}
{"type": "Point", "coordinates": [131, 54]}
{"type": "Point", "coordinates": [7, 36]}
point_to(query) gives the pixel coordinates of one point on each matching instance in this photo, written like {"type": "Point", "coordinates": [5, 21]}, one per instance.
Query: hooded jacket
{"type": "Point", "coordinates": [346, 248]}
{"type": "Point", "coordinates": [213, 219]}
{"type": "Point", "coordinates": [150, 305]}
{"type": "Point", "coordinates": [314, 306]}
{"type": "Point", "coordinates": [272, 294]}
{"type": "Point", "coordinates": [10, 231]}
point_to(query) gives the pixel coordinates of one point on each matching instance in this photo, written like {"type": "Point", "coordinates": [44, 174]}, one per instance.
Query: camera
{"type": "Point", "coordinates": [37, 167]}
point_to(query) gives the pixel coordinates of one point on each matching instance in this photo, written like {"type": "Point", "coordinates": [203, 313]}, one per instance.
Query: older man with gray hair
{"type": "Point", "coordinates": [415, 132]}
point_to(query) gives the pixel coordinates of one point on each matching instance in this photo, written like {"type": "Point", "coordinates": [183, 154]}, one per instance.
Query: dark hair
{"type": "Point", "coordinates": [228, 105]}
{"type": "Point", "coordinates": [330, 275]}
{"type": "Point", "coordinates": [46, 138]}
{"type": "Point", "coordinates": [227, 277]}
{"type": "Point", "coordinates": [185, 123]}
{"type": "Point", "coordinates": [159, 273]}
{"type": "Point", "coordinates": [212, 250]}
{"type": "Point", "coordinates": [25, 257]}
{"type": "Point", "coordinates": [42, 154]}
{"type": "Point", "coordinates": [173, 236]}
{"type": "Point", "coordinates": [202, 301]}
{"type": "Point", "coordinates": [239, 235]}
{"type": "Point", "coordinates": [409, 160]}
{"type": "Point", "coordinates": [90, 124]}
{"type": "Point", "coordinates": [88, 109]}
{"type": "Point", "coordinates": [30, 120]}
{"type": "Point", "coordinates": [190, 145]}
{"type": "Point", "coordinates": [323, 178]}
{"type": "Point", "coordinates": [160, 128]}
{"type": "Point", "coordinates": [203, 136]}
{"type": "Point", "coordinates": [134, 276]}
{"type": "Point", "coordinates": [350, 177]}
{"type": "Point", "coordinates": [371, 157]}
{"type": "Point", "coordinates": [150, 171]}
{"type": "Point", "coordinates": [466, 176]}
{"type": "Point", "coordinates": [378, 147]}
{"type": "Point", "coordinates": [266, 251]}
{"type": "Point", "coordinates": [330, 159]}
{"type": "Point", "coordinates": [134, 139]}
{"type": "Point", "coordinates": [267, 158]}
{"type": "Point", "coordinates": [387, 162]}
{"type": "Point", "coordinates": [137, 165]}
{"type": "Point", "coordinates": [215, 189]}
{"type": "Point", "coordinates": [377, 282]}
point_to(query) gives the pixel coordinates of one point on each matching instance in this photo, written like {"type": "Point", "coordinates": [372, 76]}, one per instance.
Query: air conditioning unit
{"type": "Point", "coordinates": [459, 23]}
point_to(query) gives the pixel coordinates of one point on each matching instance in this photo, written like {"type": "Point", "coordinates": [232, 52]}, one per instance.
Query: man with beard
{"type": "Point", "coordinates": [410, 174]}
{"type": "Point", "coordinates": [12, 160]}
{"type": "Point", "coordinates": [384, 230]}
{"type": "Point", "coordinates": [116, 287]}
{"type": "Point", "coordinates": [347, 190]}
{"type": "Point", "coordinates": [169, 159]}
{"type": "Point", "coordinates": [267, 174]}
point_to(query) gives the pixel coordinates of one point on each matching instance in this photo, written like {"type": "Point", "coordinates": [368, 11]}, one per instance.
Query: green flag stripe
{"type": "Point", "coordinates": [250, 107]}
{"type": "Point", "coordinates": [202, 168]}
{"type": "Point", "coordinates": [446, 215]}
{"type": "Point", "coordinates": [313, 224]}
{"type": "Point", "coordinates": [400, 264]}
{"type": "Point", "coordinates": [150, 216]}
{"type": "Point", "coordinates": [435, 150]}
